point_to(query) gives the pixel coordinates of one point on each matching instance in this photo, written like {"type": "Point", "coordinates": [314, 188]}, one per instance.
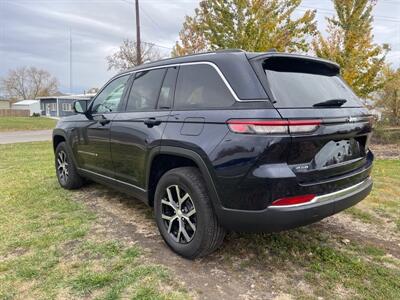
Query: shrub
{"type": "Point", "coordinates": [386, 135]}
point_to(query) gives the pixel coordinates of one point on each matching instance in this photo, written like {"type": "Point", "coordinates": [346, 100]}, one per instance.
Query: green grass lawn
{"type": "Point", "coordinates": [26, 123]}
{"type": "Point", "coordinates": [47, 248]}
{"type": "Point", "coordinates": [383, 204]}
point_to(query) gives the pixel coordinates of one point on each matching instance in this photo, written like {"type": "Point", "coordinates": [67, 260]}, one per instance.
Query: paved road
{"type": "Point", "coordinates": [25, 136]}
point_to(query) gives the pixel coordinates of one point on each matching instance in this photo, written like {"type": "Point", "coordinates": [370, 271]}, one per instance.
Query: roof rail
{"type": "Point", "coordinates": [230, 50]}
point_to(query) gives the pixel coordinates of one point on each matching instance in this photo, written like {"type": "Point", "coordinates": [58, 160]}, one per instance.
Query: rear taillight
{"type": "Point", "coordinates": [272, 126]}
{"type": "Point", "coordinates": [296, 200]}
{"type": "Point", "coordinates": [300, 126]}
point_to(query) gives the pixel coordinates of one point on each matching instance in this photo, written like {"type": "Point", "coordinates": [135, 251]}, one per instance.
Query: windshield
{"type": "Point", "coordinates": [302, 83]}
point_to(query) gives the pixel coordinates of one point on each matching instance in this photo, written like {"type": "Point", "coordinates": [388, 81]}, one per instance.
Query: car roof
{"type": "Point", "coordinates": [216, 55]}
{"type": "Point", "coordinates": [234, 65]}
{"type": "Point", "coordinates": [204, 56]}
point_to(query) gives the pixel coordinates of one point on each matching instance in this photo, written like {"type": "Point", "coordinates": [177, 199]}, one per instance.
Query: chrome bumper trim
{"type": "Point", "coordinates": [354, 189]}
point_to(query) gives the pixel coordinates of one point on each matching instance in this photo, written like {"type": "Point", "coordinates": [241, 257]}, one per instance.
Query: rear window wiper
{"type": "Point", "coordinates": [331, 103]}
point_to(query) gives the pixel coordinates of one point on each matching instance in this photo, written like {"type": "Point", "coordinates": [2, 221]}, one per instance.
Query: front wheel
{"type": "Point", "coordinates": [184, 214]}
{"type": "Point", "coordinates": [67, 174]}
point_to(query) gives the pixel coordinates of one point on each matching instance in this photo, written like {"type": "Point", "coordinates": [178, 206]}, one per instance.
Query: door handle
{"type": "Point", "coordinates": [150, 122]}
{"type": "Point", "coordinates": [101, 119]}
{"type": "Point", "coordinates": [104, 122]}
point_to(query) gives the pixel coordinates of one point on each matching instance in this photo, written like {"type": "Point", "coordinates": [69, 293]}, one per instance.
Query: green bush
{"type": "Point", "coordinates": [386, 135]}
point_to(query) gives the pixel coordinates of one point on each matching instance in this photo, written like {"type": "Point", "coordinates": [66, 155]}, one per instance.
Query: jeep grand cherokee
{"type": "Point", "coordinates": [228, 140]}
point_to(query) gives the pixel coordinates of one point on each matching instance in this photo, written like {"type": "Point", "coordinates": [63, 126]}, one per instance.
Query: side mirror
{"type": "Point", "coordinates": [80, 106]}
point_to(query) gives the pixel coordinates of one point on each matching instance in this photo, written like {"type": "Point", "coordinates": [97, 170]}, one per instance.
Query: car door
{"type": "Point", "coordinates": [137, 130]}
{"type": "Point", "coordinates": [93, 132]}
{"type": "Point", "coordinates": [202, 104]}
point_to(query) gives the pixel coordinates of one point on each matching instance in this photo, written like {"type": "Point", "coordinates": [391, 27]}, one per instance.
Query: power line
{"type": "Point", "coordinates": [151, 19]}
{"type": "Point", "coordinates": [155, 24]}
{"type": "Point", "coordinates": [126, 1]}
{"type": "Point", "coordinates": [157, 45]}
{"type": "Point", "coordinates": [327, 10]}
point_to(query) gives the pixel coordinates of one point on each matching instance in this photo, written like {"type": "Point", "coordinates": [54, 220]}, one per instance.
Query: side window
{"type": "Point", "coordinates": [168, 89]}
{"type": "Point", "coordinates": [200, 86]}
{"type": "Point", "coordinates": [109, 98]}
{"type": "Point", "coordinates": [145, 90]}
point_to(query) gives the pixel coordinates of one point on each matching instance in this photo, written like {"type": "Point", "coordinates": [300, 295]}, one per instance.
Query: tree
{"type": "Point", "coordinates": [92, 90]}
{"type": "Point", "coordinates": [29, 83]}
{"type": "Point", "coordinates": [125, 57]}
{"type": "Point", "coordinates": [191, 36]}
{"type": "Point", "coordinates": [389, 96]}
{"type": "Point", "coordinates": [252, 25]}
{"type": "Point", "coordinates": [350, 44]}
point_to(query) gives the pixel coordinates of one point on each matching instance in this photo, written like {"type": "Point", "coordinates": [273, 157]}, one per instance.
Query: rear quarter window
{"type": "Point", "coordinates": [200, 86]}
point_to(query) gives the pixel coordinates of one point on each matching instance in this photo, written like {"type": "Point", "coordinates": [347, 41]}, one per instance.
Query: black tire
{"type": "Point", "coordinates": [70, 179]}
{"type": "Point", "coordinates": [208, 235]}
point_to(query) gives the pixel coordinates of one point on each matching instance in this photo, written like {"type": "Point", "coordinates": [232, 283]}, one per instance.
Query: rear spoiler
{"type": "Point", "coordinates": [252, 57]}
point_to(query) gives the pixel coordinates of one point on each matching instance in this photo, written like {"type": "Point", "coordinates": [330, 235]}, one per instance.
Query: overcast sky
{"type": "Point", "coordinates": [36, 33]}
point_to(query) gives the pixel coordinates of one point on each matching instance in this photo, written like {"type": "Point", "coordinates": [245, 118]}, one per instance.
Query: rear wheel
{"type": "Point", "coordinates": [184, 214]}
{"type": "Point", "coordinates": [67, 174]}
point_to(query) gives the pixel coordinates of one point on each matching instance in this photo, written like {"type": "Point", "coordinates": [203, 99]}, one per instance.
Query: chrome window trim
{"type": "Point", "coordinates": [216, 68]}
{"type": "Point", "coordinates": [331, 196]}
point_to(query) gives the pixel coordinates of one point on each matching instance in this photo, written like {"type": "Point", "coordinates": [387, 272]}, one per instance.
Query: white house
{"type": "Point", "coordinates": [61, 106]}
{"type": "Point", "coordinates": [32, 105]}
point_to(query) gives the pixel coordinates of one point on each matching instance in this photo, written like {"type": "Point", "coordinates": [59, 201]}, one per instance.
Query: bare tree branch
{"type": "Point", "coordinates": [28, 83]}
{"type": "Point", "coordinates": [125, 57]}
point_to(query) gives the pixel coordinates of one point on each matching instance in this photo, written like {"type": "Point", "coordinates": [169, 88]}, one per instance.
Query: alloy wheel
{"type": "Point", "coordinates": [179, 214]}
{"type": "Point", "coordinates": [62, 166]}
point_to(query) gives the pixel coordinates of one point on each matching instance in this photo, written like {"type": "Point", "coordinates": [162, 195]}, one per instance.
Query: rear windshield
{"type": "Point", "coordinates": [298, 82]}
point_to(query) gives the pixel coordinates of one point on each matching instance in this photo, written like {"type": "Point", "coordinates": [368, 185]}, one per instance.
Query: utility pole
{"type": "Point", "coordinates": [70, 61]}
{"type": "Point", "coordinates": [138, 48]}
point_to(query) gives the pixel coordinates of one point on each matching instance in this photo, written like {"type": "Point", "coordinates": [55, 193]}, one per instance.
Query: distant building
{"type": "Point", "coordinates": [5, 104]}
{"type": "Point", "coordinates": [60, 106]}
{"type": "Point", "coordinates": [32, 105]}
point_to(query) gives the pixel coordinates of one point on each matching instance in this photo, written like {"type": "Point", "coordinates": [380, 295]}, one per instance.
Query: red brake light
{"type": "Point", "coordinates": [258, 126]}
{"type": "Point", "coordinates": [293, 200]}
{"type": "Point", "coordinates": [273, 126]}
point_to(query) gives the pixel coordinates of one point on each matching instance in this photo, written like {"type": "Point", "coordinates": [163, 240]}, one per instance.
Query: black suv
{"type": "Point", "coordinates": [220, 141]}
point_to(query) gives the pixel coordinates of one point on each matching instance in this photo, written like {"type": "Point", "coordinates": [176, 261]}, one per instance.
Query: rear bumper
{"type": "Point", "coordinates": [274, 219]}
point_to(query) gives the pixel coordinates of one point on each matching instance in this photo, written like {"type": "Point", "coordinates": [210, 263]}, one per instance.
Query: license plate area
{"type": "Point", "coordinates": [337, 152]}
{"type": "Point", "coordinates": [340, 155]}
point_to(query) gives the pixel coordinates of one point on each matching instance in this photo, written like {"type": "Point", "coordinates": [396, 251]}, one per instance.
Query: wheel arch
{"type": "Point", "coordinates": [58, 137]}
{"type": "Point", "coordinates": [61, 136]}
{"type": "Point", "coordinates": [188, 158]}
